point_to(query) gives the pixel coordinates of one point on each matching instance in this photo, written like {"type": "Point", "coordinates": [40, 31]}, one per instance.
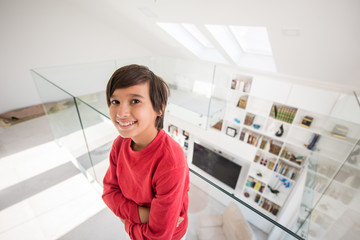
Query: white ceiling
{"type": "Point", "coordinates": [326, 50]}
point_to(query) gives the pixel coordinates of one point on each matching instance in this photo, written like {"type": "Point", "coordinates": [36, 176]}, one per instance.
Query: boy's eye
{"type": "Point", "coordinates": [135, 101]}
{"type": "Point", "coordinates": [115, 102]}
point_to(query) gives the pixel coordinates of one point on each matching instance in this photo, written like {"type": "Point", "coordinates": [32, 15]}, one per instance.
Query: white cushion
{"type": "Point", "coordinates": [211, 233]}
{"type": "Point", "coordinates": [210, 220]}
{"type": "Point", "coordinates": [235, 226]}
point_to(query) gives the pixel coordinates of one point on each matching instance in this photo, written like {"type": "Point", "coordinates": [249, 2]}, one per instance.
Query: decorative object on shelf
{"type": "Point", "coordinates": [259, 174]}
{"type": "Point", "coordinates": [237, 120]}
{"type": "Point", "coordinates": [242, 101]}
{"type": "Point", "coordinates": [314, 139]}
{"type": "Point", "coordinates": [246, 194]}
{"type": "Point", "coordinates": [257, 198]}
{"type": "Point", "coordinates": [256, 126]}
{"type": "Point", "coordinates": [274, 191]}
{"type": "Point", "coordinates": [263, 162]}
{"type": "Point", "coordinates": [275, 147]}
{"type": "Point", "coordinates": [306, 122]}
{"type": "Point", "coordinates": [231, 131]}
{"type": "Point", "coordinates": [247, 86]}
{"type": "Point", "coordinates": [186, 145]}
{"type": "Point", "coordinates": [354, 156]}
{"type": "Point", "coordinates": [283, 113]}
{"type": "Point", "coordinates": [271, 165]}
{"type": "Point", "coordinates": [280, 132]}
{"type": "Point", "coordinates": [241, 86]}
{"type": "Point", "coordinates": [173, 130]}
{"type": "Point", "coordinates": [186, 134]}
{"type": "Point", "coordinates": [256, 159]}
{"type": "Point", "coordinates": [218, 125]}
{"type": "Point", "coordinates": [340, 131]}
{"type": "Point", "coordinates": [279, 183]}
{"type": "Point", "coordinates": [249, 119]}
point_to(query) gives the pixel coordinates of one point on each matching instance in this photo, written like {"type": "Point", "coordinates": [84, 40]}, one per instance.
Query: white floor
{"type": "Point", "coordinates": [29, 160]}
{"type": "Point", "coordinates": [43, 195]}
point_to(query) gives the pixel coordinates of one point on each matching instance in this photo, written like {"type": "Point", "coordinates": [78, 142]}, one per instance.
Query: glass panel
{"type": "Point", "coordinates": [208, 201]}
{"type": "Point", "coordinates": [86, 81]}
{"type": "Point", "coordinates": [191, 84]}
{"type": "Point", "coordinates": [100, 133]}
{"type": "Point", "coordinates": [62, 113]}
{"type": "Point", "coordinates": [330, 206]}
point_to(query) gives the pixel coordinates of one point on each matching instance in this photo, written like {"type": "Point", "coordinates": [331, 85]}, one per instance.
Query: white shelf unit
{"type": "Point", "coordinates": [255, 123]}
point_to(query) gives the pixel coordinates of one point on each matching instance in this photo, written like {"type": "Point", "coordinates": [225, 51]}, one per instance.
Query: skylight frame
{"type": "Point", "coordinates": [185, 37]}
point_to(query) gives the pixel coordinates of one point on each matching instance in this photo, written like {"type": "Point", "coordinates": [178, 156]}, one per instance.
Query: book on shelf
{"type": "Point", "coordinates": [286, 170]}
{"type": "Point", "coordinates": [289, 155]}
{"type": "Point", "coordinates": [240, 84]}
{"type": "Point", "coordinates": [306, 122]}
{"type": "Point", "coordinates": [255, 184]}
{"type": "Point", "coordinates": [269, 206]}
{"type": "Point", "coordinates": [249, 137]}
{"type": "Point", "coordinates": [283, 113]}
{"type": "Point", "coordinates": [234, 84]}
{"type": "Point", "coordinates": [340, 131]}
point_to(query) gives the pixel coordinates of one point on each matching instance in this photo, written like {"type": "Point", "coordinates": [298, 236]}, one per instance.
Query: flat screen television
{"type": "Point", "coordinates": [216, 165]}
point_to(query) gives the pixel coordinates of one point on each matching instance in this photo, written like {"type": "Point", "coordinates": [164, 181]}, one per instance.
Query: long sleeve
{"type": "Point", "coordinates": [165, 207]}
{"type": "Point", "coordinates": [112, 195]}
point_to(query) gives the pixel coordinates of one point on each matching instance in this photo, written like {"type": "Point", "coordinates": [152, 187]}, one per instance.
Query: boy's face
{"type": "Point", "coordinates": [132, 113]}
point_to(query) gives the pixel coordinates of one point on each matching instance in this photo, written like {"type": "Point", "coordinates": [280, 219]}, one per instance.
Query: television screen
{"type": "Point", "coordinates": [216, 165]}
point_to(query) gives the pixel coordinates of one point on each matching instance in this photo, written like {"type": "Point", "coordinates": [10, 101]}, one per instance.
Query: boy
{"type": "Point", "coordinates": [147, 182]}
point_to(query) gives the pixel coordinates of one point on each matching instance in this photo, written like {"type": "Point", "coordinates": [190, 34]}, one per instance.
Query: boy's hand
{"type": "Point", "coordinates": [179, 221]}
{"type": "Point", "coordinates": [144, 213]}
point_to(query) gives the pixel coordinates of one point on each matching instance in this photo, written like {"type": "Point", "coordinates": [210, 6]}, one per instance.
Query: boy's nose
{"type": "Point", "coordinates": [123, 111]}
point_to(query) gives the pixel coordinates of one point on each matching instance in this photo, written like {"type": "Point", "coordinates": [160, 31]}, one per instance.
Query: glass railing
{"type": "Point", "coordinates": [330, 206]}
{"type": "Point", "coordinates": [203, 108]}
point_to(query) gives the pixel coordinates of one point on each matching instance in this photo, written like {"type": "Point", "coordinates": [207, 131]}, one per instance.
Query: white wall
{"type": "Point", "coordinates": [43, 33]}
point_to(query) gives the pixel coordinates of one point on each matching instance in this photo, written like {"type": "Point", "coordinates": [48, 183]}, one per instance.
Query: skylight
{"type": "Point", "coordinates": [196, 42]}
{"type": "Point", "coordinates": [252, 39]}
{"type": "Point", "coordinates": [194, 31]}
{"type": "Point", "coordinates": [246, 46]}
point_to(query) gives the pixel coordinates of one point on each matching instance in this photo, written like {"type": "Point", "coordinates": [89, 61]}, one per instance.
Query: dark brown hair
{"type": "Point", "coordinates": [132, 75]}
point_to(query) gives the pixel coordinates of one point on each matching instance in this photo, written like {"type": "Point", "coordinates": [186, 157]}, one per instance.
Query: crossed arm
{"type": "Point", "coordinates": [144, 214]}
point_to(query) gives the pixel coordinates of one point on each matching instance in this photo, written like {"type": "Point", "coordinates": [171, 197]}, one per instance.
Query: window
{"type": "Point", "coordinates": [191, 38]}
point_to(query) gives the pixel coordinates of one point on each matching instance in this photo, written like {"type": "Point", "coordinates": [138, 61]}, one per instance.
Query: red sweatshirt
{"type": "Point", "coordinates": [155, 177]}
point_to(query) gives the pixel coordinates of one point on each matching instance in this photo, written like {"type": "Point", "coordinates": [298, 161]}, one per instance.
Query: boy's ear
{"type": "Point", "coordinates": [161, 112]}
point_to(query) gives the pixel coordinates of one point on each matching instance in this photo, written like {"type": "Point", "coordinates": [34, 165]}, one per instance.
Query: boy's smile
{"type": "Point", "coordinates": [133, 115]}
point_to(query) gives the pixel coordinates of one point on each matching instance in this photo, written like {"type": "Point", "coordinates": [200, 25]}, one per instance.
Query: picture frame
{"type": "Point", "coordinates": [231, 131]}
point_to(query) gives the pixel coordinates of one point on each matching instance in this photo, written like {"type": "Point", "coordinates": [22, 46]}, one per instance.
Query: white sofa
{"type": "Point", "coordinates": [230, 225]}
